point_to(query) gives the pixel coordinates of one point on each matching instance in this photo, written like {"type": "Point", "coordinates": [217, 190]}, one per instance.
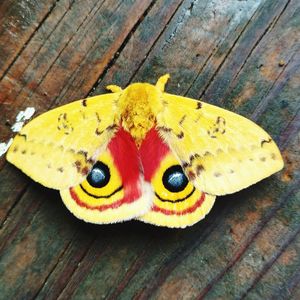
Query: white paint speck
{"type": "Point", "coordinates": [25, 115]}
{"type": "Point", "coordinates": [21, 117]}
{"type": "Point", "coordinates": [17, 126]}
{"type": "Point", "coordinates": [4, 147]}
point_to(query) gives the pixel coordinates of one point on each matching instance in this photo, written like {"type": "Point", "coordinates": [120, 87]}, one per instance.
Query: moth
{"type": "Point", "coordinates": [141, 153]}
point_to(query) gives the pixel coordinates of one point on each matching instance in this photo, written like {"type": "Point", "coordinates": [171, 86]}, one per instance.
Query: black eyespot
{"type": "Point", "coordinates": [99, 175]}
{"type": "Point", "coordinates": [174, 179]}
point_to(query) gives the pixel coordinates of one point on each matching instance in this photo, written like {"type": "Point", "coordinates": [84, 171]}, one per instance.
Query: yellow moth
{"type": "Point", "coordinates": [142, 153]}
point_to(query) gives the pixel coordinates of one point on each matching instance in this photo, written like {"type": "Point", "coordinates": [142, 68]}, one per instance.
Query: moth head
{"type": "Point", "coordinates": [141, 93]}
{"type": "Point", "coordinates": [139, 105]}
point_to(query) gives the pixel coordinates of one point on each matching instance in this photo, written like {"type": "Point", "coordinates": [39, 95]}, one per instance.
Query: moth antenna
{"type": "Point", "coordinates": [114, 88]}
{"type": "Point", "coordinates": [161, 82]}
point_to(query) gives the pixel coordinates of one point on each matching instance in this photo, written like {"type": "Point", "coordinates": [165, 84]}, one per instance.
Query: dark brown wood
{"type": "Point", "coordinates": [241, 55]}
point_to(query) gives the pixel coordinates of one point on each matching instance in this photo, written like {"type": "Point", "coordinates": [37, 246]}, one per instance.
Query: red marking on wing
{"type": "Point", "coordinates": [126, 158]}
{"type": "Point", "coordinates": [189, 210]}
{"type": "Point", "coordinates": [103, 206]}
{"type": "Point", "coordinates": [125, 155]}
{"type": "Point", "coordinates": [152, 151]}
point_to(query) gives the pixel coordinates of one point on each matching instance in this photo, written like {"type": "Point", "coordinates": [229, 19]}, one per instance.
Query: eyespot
{"type": "Point", "coordinates": [174, 179]}
{"type": "Point", "coordinates": [99, 176]}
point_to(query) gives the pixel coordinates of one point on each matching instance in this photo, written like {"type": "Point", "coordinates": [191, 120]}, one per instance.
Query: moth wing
{"type": "Point", "coordinates": [59, 147]}
{"type": "Point", "coordinates": [176, 201]}
{"type": "Point", "coordinates": [220, 151]}
{"type": "Point", "coordinates": [114, 190]}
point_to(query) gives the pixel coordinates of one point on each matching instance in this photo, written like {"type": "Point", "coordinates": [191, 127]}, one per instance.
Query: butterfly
{"type": "Point", "coordinates": [141, 153]}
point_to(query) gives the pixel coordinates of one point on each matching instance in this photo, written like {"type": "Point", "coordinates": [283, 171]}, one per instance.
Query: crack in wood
{"type": "Point", "coordinates": [239, 254]}
{"type": "Point", "coordinates": [19, 53]}
{"type": "Point", "coordinates": [227, 54]}
{"type": "Point", "coordinates": [270, 263]}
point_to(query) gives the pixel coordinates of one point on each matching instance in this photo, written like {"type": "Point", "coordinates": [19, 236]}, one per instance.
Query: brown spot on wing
{"type": "Point", "coordinates": [78, 165]}
{"type": "Point", "coordinates": [164, 128]}
{"type": "Point", "coordinates": [84, 102]}
{"type": "Point", "coordinates": [185, 164]}
{"type": "Point", "coordinates": [182, 120]}
{"type": "Point", "coordinates": [220, 120]}
{"type": "Point", "coordinates": [63, 124]}
{"type": "Point", "coordinates": [85, 171]}
{"type": "Point", "coordinates": [265, 142]}
{"type": "Point", "coordinates": [98, 117]}
{"type": "Point", "coordinates": [98, 132]}
{"type": "Point", "coordinates": [193, 156]}
{"type": "Point", "coordinates": [112, 127]}
{"type": "Point", "coordinates": [199, 105]}
{"type": "Point", "coordinates": [84, 153]}
{"type": "Point", "coordinates": [165, 103]}
{"type": "Point", "coordinates": [180, 135]}
{"type": "Point", "coordinates": [197, 119]}
{"type": "Point", "coordinates": [23, 136]}
{"type": "Point", "coordinates": [199, 169]}
{"type": "Point", "coordinates": [191, 175]}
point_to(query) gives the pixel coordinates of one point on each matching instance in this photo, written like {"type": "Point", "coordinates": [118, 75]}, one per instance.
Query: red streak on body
{"type": "Point", "coordinates": [152, 151]}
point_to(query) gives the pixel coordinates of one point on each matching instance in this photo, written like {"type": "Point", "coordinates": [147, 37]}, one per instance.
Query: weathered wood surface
{"type": "Point", "coordinates": [242, 55]}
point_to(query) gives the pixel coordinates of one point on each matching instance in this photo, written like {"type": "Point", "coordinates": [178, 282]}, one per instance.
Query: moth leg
{"type": "Point", "coordinates": [114, 88]}
{"type": "Point", "coordinates": [161, 82]}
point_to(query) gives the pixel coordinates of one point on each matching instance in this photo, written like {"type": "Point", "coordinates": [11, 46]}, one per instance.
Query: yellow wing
{"type": "Point", "coordinates": [111, 192]}
{"type": "Point", "coordinates": [175, 201]}
{"type": "Point", "coordinates": [220, 151]}
{"type": "Point", "coordinates": [59, 147]}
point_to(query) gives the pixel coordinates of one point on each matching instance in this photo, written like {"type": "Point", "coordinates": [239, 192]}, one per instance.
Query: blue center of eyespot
{"type": "Point", "coordinates": [174, 179]}
{"type": "Point", "coordinates": [99, 175]}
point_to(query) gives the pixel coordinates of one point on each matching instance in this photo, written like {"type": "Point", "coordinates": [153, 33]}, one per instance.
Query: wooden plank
{"type": "Point", "coordinates": [12, 187]}
{"type": "Point", "coordinates": [18, 22]}
{"type": "Point", "coordinates": [136, 50]}
{"type": "Point", "coordinates": [220, 24]}
{"type": "Point", "coordinates": [280, 279]}
{"type": "Point", "coordinates": [32, 243]}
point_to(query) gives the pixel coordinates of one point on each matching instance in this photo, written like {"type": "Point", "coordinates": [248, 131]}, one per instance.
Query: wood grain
{"type": "Point", "coordinates": [241, 55]}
